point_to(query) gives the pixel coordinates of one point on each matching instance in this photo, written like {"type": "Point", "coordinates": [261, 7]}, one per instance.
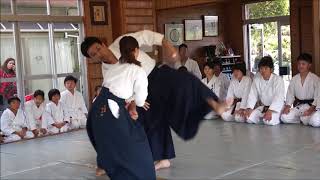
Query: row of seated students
{"type": "Point", "coordinates": [262, 98]}
{"type": "Point", "coordinates": [65, 111]}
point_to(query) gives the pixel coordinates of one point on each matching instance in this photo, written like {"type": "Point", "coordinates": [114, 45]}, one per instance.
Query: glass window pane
{"type": "Point", "coordinates": [35, 84]}
{"type": "Point", "coordinates": [267, 9]}
{"type": "Point", "coordinates": [5, 7]}
{"type": "Point", "coordinates": [64, 8]}
{"type": "Point", "coordinates": [8, 85]}
{"type": "Point", "coordinates": [66, 49]}
{"type": "Point", "coordinates": [31, 7]}
{"type": "Point", "coordinates": [35, 53]}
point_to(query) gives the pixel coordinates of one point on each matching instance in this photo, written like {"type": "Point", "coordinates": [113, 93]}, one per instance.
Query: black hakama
{"type": "Point", "coordinates": [177, 100]}
{"type": "Point", "coordinates": [121, 144]}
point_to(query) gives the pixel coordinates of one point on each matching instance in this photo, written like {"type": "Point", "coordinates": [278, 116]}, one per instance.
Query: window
{"type": "Point", "coordinates": [267, 33]}
{"type": "Point", "coordinates": [8, 81]}
{"type": "Point", "coordinates": [64, 8]}
{"type": "Point", "coordinates": [267, 9]}
{"type": "Point", "coordinates": [5, 7]}
{"type": "Point", "coordinates": [45, 52]}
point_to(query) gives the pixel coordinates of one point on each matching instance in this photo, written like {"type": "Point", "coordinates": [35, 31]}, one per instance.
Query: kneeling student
{"type": "Point", "coordinates": [13, 122]}
{"type": "Point", "coordinates": [268, 89]}
{"type": "Point", "coordinates": [301, 93]}
{"type": "Point", "coordinates": [238, 91]}
{"type": "Point", "coordinates": [35, 109]}
{"type": "Point", "coordinates": [55, 116]}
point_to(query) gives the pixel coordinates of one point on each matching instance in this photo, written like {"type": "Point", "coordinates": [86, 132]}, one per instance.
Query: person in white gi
{"type": "Point", "coordinates": [268, 89]}
{"type": "Point", "coordinates": [225, 82]}
{"type": "Point", "coordinates": [35, 109]}
{"type": "Point", "coordinates": [238, 91]}
{"type": "Point", "coordinates": [214, 84]}
{"type": "Point", "coordinates": [73, 102]}
{"type": "Point", "coordinates": [55, 115]}
{"type": "Point", "coordinates": [13, 122]}
{"type": "Point", "coordinates": [191, 65]}
{"type": "Point", "coordinates": [302, 93]}
{"type": "Point", "coordinates": [315, 117]}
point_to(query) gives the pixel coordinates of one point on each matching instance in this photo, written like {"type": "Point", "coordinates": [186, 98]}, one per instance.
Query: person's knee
{"type": "Point", "coordinates": [315, 122]}
{"type": "Point", "coordinates": [305, 120]}
{"type": "Point", "coordinates": [29, 135]}
{"type": "Point", "coordinates": [226, 116]}
{"type": "Point", "coordinates": [272, 122]}
{"type": "Point", "coordinates": [239, 118]}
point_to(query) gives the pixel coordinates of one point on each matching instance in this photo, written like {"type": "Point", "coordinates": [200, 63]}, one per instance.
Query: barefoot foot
{"type": "Point", "coordinates": [162, 164]}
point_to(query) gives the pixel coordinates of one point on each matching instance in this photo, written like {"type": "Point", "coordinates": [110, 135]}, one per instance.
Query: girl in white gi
{"type": "Point", "coordinates": [75, 107]}
{"type": "Point", "coordinates": [191, 65]}
{"type": "Point", "coordinates": [301, 93]}
{"type": "Point", "coordinates": [35, 109]}
{"type": "Point", "coordinates": [55, 116]}
{"type": "Point", "coordinates": [238, 91]}
{"type": "Point", "coordinates": [214, 84]}
{"type": "Point", "coordinates": [268, 88]}
{"type": "Point", "coordinates": [315, 118]}
{"type": "Point", "coordinates": [225, 82]}
{"type": "Point", "coordinates": [13, 122]}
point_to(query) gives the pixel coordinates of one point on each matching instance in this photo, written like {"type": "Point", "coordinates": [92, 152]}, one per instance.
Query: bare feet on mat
{"type": "Point", "coordinates": [100, 172]}
{"type": "Point", "coordinates": [162, 164]}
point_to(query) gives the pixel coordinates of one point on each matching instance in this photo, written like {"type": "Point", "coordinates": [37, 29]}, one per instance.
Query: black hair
{"type": "Point", "coordinates": [13, 98]}
{"type": "Point", "coordinates": [241, 67]}
{"type": "Point", "coordinates": [87, 43]}
{"type": "Point", "coordinates": [305, 57]}
{"type": "Point", "coordinates": [217, 63]}
{"type": "Point", "coordinates": [53, 92]}
{"type": "Point", "coordinates": [97, 87]}
{"type": "Point", "coordinates": [128, 44]}
{"type": "Point", "coordinates": [209, 64]}
{"type": "Point", "coordinates": [38, 93]}
{"type": "Point", "coordinates": [183, 69]}
{"type": "Point", "coordinates": [266, 61]}
{"type": "Point", "coordinates": [70, 78]}
{"type": "Point", "coordinates": [183, 45]}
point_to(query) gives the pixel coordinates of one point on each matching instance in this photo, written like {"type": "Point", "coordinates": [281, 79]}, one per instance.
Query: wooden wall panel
{"type": "Point", "coordinates": [94, 75]}
{"type": "Point", "coordinates": [167, 4]}
{"type": "Point", "coordinates": [132, 15]}
{"type": "Point", "coordinates": [301, 29]}
{"type": "Point", "coordinates": [178, 15]}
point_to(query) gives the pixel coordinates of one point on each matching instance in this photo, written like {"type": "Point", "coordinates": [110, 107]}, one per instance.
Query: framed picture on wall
{"type": "Point", "coordinates": [174, 33]}
{"type": "Point", "coordinates": [210, 25]}
{"type": "Point", "coordinates": [193, 30]}
{"type": "Point", "coordinates": [98, 13]}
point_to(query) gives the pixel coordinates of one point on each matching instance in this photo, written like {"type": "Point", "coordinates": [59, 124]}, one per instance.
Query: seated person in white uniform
{"type": "Point", "coordinates": [315, 117]}
{"type": "Point", "coordinates": [238, 91]}
{"type": "Point", "coordinates": [302, 93]}
{"type": "Point", "coordinates": [268, 90]}
{"type": "Point", "coordinates": [74, 105]}
{"type": "Point", "coordinates": [35, 109]}
{"type": "Point", "coordinates": [214, 84]}
{"type": "Point", "coordinates": [225, 82]}
{"type": "Point", "coordinates": [55, 115]}
{"type": "Point", "coordinates": [13, 122]}
{"type": "Point", "coordinates": [191, 65]}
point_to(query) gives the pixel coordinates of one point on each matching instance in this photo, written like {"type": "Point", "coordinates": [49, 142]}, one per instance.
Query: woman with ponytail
{"type": "Point", "coordinates": [120, 142]}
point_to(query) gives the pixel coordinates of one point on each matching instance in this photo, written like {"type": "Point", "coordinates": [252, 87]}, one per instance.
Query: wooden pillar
{"type": "Point", "coordinates": [316, 34]}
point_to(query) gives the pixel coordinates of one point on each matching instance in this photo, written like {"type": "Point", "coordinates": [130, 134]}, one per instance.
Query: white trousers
{"type": "Point", "coordinates": [78, 123]}
{"type": "Point", "coordinates": [227, 116]}
{"type": "Point", "coordinates": [55, 130]}
{"type": "Point", "coordinates": [315, 119]}
{"type": "Point", "coordinates": [14, 137]}
{"type": "Point", "coordinates": [211, 115]}
{"type": "Point", "coordinates": [296, 115]}
{"type": "Point", "coordinates": [257, 116]}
